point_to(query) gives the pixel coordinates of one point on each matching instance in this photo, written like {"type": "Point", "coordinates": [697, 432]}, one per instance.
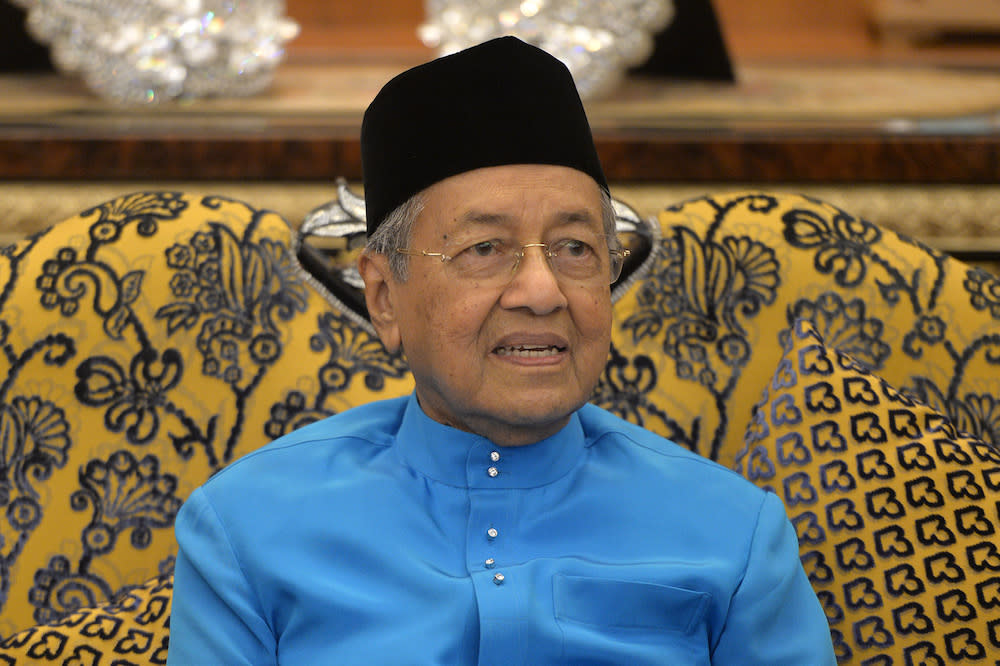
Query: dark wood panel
{"type": "Point", "coordinates": [627, 157]}
{"type": "Point", "coordinates": [846, 158]}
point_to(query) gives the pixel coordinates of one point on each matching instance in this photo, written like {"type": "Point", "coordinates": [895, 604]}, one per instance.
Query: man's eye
{"type": "Point", "coordinates": [572, 247]}
{"type": "Point", "coordinates": [485, 248]}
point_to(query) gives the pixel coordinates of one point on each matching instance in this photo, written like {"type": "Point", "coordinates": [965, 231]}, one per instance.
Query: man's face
{"type": "Point", "coordinates": [512, 357]}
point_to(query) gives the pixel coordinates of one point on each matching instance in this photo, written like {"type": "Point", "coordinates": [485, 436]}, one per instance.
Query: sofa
{"type": "Point", "coordinates": [154, 338]}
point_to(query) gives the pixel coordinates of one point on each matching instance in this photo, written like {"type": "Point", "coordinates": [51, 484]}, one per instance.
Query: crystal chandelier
{"type": "Point", "coordinates": [598, 40]}
{"type": "Point", "coordinates": [149, 52]}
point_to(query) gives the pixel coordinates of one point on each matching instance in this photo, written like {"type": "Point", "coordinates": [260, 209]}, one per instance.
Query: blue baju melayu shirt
{"type": "Point", "coordinates": [379, 536]}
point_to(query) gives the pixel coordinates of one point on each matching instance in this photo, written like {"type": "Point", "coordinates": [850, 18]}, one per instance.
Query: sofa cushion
{"type": "Point", "coordinates": [896, 509]}
{"type": "Point", "coordinates": [144, 344]}
{"type": "Point", "coordinates": [701, 322]}
{"type": "Point", "coordinates": [154, 338]}
{"type": "Point", "coordinates": [131, 628]}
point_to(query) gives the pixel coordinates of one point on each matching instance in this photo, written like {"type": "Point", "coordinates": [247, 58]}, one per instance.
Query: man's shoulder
{"type": "Point", "coordinates": [602, 427]}
{"type": "Point", "coordinates": [359, 431]}
{"type": "Point", "coordinates": [376, 422]}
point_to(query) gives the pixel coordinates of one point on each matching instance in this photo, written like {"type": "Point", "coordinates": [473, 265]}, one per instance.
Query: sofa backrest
{"type": "Point", "coordinates": [153, 339]}
{"type": "Point", "coordinates": [147, 342]}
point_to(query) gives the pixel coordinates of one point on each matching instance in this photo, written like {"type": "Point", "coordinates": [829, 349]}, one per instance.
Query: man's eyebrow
{"type": "Point", "coordinates": [574, 216]}
{"type": "Point", "coordinates": [578, 215]}
{"type": "Point", "coordinates": [482, 217]}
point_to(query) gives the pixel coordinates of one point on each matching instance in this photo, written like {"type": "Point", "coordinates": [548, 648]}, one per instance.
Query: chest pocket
{"type": "Point", "coordinates": [606, 621]}
{"type": "Point", "coordinates": [628, 604]}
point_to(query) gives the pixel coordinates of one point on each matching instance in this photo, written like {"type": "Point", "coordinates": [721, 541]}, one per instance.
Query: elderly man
{"type": "Point", "coordinates": [493, 517]}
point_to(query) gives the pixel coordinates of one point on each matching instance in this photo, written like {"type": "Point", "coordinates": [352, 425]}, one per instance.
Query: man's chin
{"type": "Point", "coordinates": [509, 412]}
{"type": "Point", "coordinates": [538, 412]}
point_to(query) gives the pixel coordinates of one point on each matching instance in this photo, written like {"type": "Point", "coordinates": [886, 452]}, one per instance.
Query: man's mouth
{"type": "Point", "coordinates": [527, 351]}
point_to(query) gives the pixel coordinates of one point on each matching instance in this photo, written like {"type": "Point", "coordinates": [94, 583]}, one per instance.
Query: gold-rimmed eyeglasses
{"type": "Point", "coordinates": [496, 261]}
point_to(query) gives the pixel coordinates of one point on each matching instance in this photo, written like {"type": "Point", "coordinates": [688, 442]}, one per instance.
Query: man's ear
{"type": "Point", "coordinates": [374, 269]}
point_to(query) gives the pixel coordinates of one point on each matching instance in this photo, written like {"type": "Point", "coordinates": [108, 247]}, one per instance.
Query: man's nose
{"type": "Point", "coordinates": [535, 284]}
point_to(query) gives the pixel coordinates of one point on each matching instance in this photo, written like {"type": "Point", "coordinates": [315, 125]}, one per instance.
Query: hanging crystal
{"type": "Point", "coordinates": [148, 52]}
{"type": "Point", "coordinates": [598, 40]}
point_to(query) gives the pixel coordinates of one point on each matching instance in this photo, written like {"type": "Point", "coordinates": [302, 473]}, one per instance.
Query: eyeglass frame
{"type": "Point", "coordinates": [622, 254]}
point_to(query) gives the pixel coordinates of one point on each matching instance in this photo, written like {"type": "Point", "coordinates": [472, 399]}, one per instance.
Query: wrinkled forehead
{"type": "Point", "coordinates": [517, 199]}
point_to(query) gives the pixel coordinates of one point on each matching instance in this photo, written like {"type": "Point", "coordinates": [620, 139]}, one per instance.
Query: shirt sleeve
{"type": "Point", "coordinates": [216, 616]}
{"type": "Point", "coordinates": [775, 617]}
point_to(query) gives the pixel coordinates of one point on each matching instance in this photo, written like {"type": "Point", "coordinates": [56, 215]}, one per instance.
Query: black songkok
{"type": "Point", "coordinates": [497, 103]}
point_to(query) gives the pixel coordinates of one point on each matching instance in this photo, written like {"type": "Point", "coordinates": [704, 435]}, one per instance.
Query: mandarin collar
{"type": "Point", "coordinates": [463, 459]}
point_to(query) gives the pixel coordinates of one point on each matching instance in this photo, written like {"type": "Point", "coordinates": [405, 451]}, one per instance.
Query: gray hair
{"type": "Point", "coordinates": [396, 231]}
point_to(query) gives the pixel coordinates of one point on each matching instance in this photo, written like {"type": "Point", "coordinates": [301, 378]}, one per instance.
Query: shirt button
{"type": "Point", "coordinates": [492, 533]}
{"type": "Point", "coordinates": [498, 578]}
{"type": "Point", "coordinates": [495, 456]}
{"type": "Point", "coordinates": [493, 472]}
{"type": "Point", "coordinates": [490, 563]}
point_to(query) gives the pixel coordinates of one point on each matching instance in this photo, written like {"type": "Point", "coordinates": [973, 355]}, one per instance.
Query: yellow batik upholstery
{"type": "Point", "coordinates": [146, 343]}
{"type": "Point", "coordinates": [131, 628]}
{"type": "Point", "coordinates": [698, 331]}
{"type": "Point", "coordinates": [154, 338]}
{"type": "Point", "coordinates": [896, 510]}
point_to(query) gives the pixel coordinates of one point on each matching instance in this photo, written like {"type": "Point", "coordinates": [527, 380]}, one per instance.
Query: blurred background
{"type": "Point", "coordinates": [890, 108]}
{"type": "Point", "coordinates": [823, 30]}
